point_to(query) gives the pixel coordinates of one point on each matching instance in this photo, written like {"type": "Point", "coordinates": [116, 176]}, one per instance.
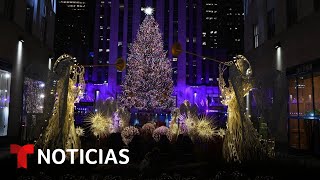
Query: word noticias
{"type": "Point", "coordinates": [59, 156]}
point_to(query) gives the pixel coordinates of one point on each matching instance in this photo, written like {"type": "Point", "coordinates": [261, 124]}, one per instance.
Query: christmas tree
{"type": "Point", "coordinates": [148, 84]}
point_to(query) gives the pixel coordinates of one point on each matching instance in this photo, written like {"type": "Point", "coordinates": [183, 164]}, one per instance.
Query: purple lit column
{"type": "Point", "coordinates": [170, 28]}
{"type": "Point", "coordinates": [181, 80]}
{"type": "Point", "coordinates": [136, 18]}
{"type": "Point", "coordinates": [207, 63]}
{"type": "Point", "coordinates": [96, 40]}
{"type": "Point", "coordinates": [105, 37]}
{"type": "Point", "coordinates": [149, 3]}
{"type": "Point", "coordinates": [199, 41]}
{"type": "Point", "coordinates": [113, 46]}
{"type": "Point", "coordinates": [190, 35]}
{"type": "Point", "coordinates": [125, 32]}
{"type": "Point", "coordinates": [160, 15]}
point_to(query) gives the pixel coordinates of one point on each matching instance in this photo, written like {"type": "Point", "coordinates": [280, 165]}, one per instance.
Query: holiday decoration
{"type": "Point", "coordinates": [161, 131]}
{"type": "Point", "coordinates": [206, 130]}
{"type": "Point", "coordinates": [120, 116]}
{"type": "Point", "coordinates": [191, 124]}
{"type": "Point", "coordinates": [148, 128]}
{"type": "Point", "coordinates": [60, 132]}
{"type": "Point", "coordinates": [186, 121]}
{"type": "Point", "coordinates": [148, 10]}
{"type": "Point", "coordinates": [124, 118]}
{"type": "Point", "coordinates": [120, 64]}
{"type": "Point", "coordinates": [34, 96]}
{"type": "Point", "coordinates": [241, 140]}
{"type": "Point", "coordinates": [116, 122]}
{"type": "Point", "coordinates": [79, 131]}
{"type": "Point", "coordinates": [107, 119]}
{"type": "Point", "coordinates": [99, 124]}
{"type": "Point", "coordinates": [183, 127]}
{"type": "Point", "coordinates": [221, 133]}
{"type": "Point", "coordinates": [174, 128]}
{"type": "Point", "coordinates": [176, 49]}
{"type": "Point", "coordinates": [148, 84]}
{"type": "Point", "coordinates": [128, 133]}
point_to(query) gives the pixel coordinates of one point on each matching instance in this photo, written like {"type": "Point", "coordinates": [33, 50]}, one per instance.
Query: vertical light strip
{"type": "Point", "coordinates": [279, 59]}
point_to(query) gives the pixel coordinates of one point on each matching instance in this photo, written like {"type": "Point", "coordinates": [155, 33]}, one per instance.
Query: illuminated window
{"type": "Point", "coordinates": [5, 80]}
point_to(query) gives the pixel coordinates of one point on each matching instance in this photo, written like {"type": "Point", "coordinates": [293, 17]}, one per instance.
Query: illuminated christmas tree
{"type": "Point", "coordinates": [148, 84]}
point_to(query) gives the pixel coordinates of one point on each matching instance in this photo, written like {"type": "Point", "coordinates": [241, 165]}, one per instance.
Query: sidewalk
{"type": "Point", "coordinates": [306, 160]}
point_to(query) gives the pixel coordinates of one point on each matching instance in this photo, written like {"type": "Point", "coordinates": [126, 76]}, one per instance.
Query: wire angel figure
{"type": "Point", "coordinates": [61, 131]}
{"type": "Point", "coordinates": [242, 139]}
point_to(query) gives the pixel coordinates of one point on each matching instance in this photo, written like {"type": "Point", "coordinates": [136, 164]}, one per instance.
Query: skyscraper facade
{"type": "Point", "coordinates": [281, 41]}
{"type": "Point", "coordinates": [222, 33]}
{"type": "Point", "coordinates": [74, 29]}
{"type": "Point", "coordinates": [27, 36]}
{"type": "Point", "coordinates": [223, 26]}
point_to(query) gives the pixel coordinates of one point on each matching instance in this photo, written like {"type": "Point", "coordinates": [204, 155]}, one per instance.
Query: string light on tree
{"type": "Point", "coordinates": [148, 84]}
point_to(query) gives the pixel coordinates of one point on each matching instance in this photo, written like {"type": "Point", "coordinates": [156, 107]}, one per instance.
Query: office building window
{"type": "Point", "coordinates": [256, 35]}
{"type": "Point", "coordinates": [271, 24]}
{"type": "Point", "coordinates": [292, 14]}
{"type": "Point", "coordinates": [304, 107]}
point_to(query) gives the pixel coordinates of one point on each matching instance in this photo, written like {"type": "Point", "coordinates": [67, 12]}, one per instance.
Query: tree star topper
{"type": "Point", "coordinates": [148, 10]}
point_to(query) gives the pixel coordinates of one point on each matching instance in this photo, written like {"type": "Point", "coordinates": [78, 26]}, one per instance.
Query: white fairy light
{"type": "Point", "coordinates": [80, 131]}
{"type": "Point", "coordinates": [152, 91]}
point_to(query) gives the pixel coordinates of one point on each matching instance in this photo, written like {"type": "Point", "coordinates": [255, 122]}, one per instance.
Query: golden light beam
{"type": "Point", "coordinates": [176, 50]}
{"type": "Point", "coordinates": [120, 64]}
